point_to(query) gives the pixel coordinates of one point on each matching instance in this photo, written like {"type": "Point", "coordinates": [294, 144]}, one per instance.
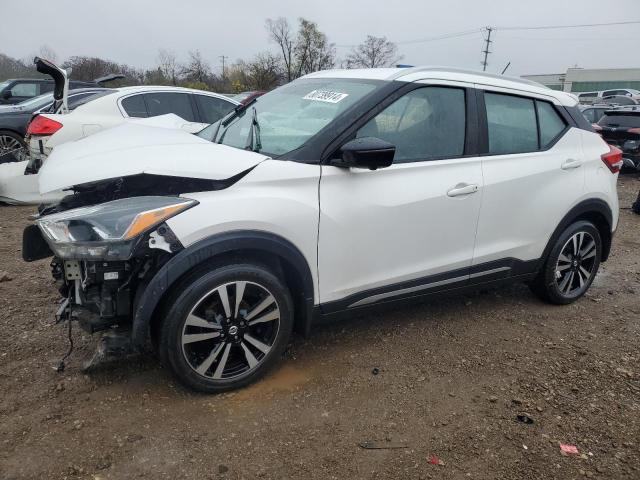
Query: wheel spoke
{"type": "Point", "coordinates": [261, 306]}
{"type": "Point", "coordinates": [268, 317]}
{"type": "Point", "coordinates": [257, 343]}
{"type": "Point", "coordinates": [565, 281]}
{"type": "Point", "coordinates": [199, 337]}
{"type": "Point", "coordinates": [564, 258]}
{"type": "Point", "coordinates": [588, 251]}
{"type": "Point", "coordinates": [251, 359]}
{"type": "Point", "coordinates": [239, 293]}
{"type": "Point", "coordinates": [562, 268]}
{"type": "Point", "coordinates": [580, 279]}
{"type": "Point", "coordinates": [204, 366]}
{"type": "Point", "coordinates": [222, 363]}
{"type": "Point", "coordinates": [224, 298]}
{"type": "Point", "coordinates": [195, 321]}
{"type": "Point", "coordinates": [574, 242]}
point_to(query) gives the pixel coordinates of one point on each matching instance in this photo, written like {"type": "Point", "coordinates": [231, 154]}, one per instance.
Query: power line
{"type": "Point", "coordinates": [477, 30]}
{"type": "Point", "coordinates": [551, 27]}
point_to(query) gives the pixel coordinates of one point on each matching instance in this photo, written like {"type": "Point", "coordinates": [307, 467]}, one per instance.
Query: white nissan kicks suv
{"type": "Point", "coordinates": [338, 192]}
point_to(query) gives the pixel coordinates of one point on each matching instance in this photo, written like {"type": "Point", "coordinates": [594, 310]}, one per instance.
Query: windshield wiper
{"type": "Point", "coordinates": [254, 134]}
{"type": "Point", "coordinates": [226, 120]}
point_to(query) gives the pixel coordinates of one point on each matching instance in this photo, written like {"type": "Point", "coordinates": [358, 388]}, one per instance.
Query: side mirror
{"type": "Point", "coordinates": [366, 152]}
{"type": "Point", "coordinates": [6, 95]}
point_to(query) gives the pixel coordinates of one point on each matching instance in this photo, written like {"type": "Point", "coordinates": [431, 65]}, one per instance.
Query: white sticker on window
{"type": "Point", "coordinates": [325, 96]}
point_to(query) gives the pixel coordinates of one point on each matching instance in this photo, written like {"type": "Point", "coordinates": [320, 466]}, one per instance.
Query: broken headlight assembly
{"type": "Point", "coordinates": [108, 231]}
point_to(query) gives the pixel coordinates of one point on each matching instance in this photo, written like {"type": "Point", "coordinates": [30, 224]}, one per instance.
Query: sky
{"type": "Point", "coordinates": [132, 31]}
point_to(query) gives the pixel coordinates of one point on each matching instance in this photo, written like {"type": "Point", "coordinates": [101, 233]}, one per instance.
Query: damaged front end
{"type": "Point", "coordinates": [105, 254]}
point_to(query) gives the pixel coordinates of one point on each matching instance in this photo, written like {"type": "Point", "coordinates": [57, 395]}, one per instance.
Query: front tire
{"type": "Point", "coordinates": [571, 265]}
{"type": "Point", "coordinates": [226, 327]}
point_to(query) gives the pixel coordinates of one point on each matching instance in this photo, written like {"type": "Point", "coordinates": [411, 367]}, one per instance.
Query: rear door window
{"type": "Point", "coordinates": [161, 103]}
{"type": "Point", "coordinates": [511, 124]}
{"type": "Point", "coordinates": [135, 106]}
{"type": "Point", "coordinates": [212, 109]}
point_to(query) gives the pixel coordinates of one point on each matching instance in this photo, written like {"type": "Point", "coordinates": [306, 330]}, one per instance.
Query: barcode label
{"type": "Point", "coordinates": [325, 96]}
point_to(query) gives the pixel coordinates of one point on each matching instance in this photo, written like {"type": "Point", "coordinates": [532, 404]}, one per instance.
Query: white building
{"type": "Point", "coordinates": [590, 79]}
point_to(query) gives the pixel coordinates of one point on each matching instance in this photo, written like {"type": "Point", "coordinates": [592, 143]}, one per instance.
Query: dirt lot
{"type": "Point", "coordinates": [453, 375]}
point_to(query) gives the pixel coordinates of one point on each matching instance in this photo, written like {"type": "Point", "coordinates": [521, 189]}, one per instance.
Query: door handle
{"type": "Point", "coordinates": [462, 189]}
{"type": "Point", "coordinates": [570, 164]}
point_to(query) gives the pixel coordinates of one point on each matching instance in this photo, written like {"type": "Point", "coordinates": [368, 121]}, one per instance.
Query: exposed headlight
{"type": "Point", "coordinates": [107, 231]}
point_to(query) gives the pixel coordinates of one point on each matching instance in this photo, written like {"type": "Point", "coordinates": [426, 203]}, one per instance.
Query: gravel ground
{"type": "Point", "coordinates": [453, 375]}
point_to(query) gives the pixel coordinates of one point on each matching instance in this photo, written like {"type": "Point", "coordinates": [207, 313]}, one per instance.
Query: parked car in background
{"type": "Point", "coordinates": [597, 96]}
{"type": "Point", "coordinates": [593, 113]}
{"type": "Point", "coordinates": [621, 127]}
{"type": "Point", "coordinates": [196, 107]}
{"type": "Point", "coordinates": [15, 118]}
{"type": "Point", "coordinates": [246, 97]}
{"type": "Point", "coordinates": [18, 90]}
{"type": "Point", "coordinates": [340, 191]}
{"type": "Point", "coordinates": [619, 100]}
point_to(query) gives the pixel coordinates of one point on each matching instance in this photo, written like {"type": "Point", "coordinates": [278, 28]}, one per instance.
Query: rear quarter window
{"type": "Point", "coordinates": [135, 106]}
{"type": "Point", "coordinates": [551, 123]}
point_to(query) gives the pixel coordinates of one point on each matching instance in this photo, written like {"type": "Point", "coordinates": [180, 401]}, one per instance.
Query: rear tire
{"type": "Point", "coordinates": [226, 327]}
{"type": "Point", "coordinates": [571, 265]}
{"type": "Point", "coordinates": [11, 142]}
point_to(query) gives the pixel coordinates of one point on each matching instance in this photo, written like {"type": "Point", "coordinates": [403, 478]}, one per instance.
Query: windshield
{"type": "Point", "coordinates": [290, 115]}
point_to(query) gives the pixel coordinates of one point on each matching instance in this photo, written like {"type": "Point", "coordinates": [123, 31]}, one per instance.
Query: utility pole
{"type": "Point", "coordinates": [486, 50]}
{"type": "Point", "coordinates": [223, 58]}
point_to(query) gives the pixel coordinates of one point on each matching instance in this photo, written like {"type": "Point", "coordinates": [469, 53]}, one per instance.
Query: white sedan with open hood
{"type": "Point", "coordinates": [341, 191]}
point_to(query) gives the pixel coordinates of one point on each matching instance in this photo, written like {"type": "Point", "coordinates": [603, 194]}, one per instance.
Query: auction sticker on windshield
{"type": "Point", "coordinates": [325, 96]}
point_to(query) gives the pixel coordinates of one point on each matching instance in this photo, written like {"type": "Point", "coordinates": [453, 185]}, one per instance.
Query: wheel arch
{"type": "Point", "coordinates": [594, 210]}
{"type": "Point", "coordinates": [270, 249]}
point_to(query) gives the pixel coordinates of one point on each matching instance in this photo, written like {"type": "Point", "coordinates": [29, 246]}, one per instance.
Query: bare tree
{"type": "Point", "coordinates": [264, 71]}
{"type": "Point", "coordinates": [196, 70]}
{"type": "Point", "coordinates": [168, 65]}
{"type": "Point", "coordinates": [280, 32]}
{"type": "Point", "coordinates": [374, 52]}
{"type": "Point", "coordinates": [313, 51]}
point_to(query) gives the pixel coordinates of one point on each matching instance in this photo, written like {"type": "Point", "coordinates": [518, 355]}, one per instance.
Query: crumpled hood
{"type": "Point", "coordinates": [132, 149]}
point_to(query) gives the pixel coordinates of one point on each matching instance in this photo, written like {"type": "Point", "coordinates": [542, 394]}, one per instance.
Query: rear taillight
{"type": "Point", "coordinates": [43, 126]}
{"type": "Point", "coordinates": [613, 159]}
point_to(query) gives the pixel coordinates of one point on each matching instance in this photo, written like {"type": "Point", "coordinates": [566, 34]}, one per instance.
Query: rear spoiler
{"type": "Point", "coordinates": [61, 79]}
{"type": "Point", "coordinates": [108, 78]}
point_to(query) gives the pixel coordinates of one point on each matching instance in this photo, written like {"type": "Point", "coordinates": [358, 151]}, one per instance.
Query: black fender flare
{"type": "Point", "coordinates": [204, 250]}
{"type": "Point", "coordinates": [585, 207]}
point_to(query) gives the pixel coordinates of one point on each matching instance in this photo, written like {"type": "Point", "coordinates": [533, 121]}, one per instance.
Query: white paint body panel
{"type": "Point", "coordinates": [134, 149]}
{"type": "Point", "coordinates": [277, 197]}
{"type": "Point", "coordinates": [394, 224]}
{"type": "Point", "coordinates": [16, 188]}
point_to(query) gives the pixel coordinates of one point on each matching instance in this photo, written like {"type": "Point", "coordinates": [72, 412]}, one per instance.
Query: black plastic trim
{"type": "Point", "coordinates": [203, 251]}
{"type": "Point", "coordinates": [585, 207]}
{"type": "Point", "coordinates": [510, 268]}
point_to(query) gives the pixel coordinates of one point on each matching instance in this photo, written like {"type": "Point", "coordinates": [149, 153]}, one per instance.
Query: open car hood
{"type": "Point", "coordinates": [134, 149]}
